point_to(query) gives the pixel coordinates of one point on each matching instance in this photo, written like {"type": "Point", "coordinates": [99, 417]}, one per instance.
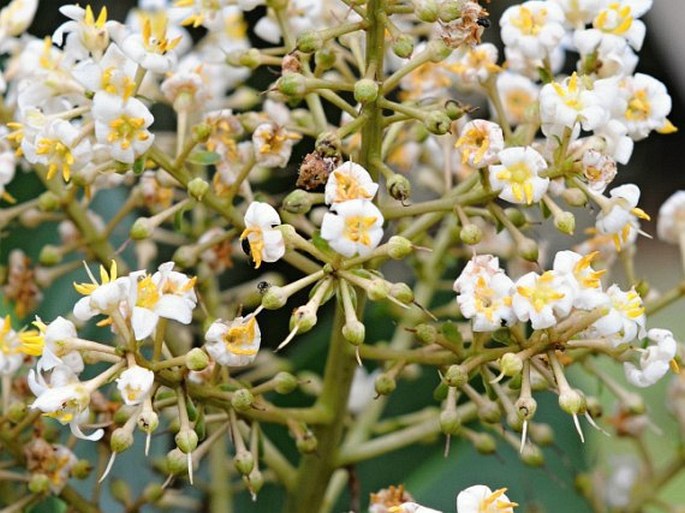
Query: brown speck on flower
{"type": "Point", "coordinates": [21, 287]}
{"type": "Point", "coordinates": [315, 169]}
{"type": "Point", "coordinates": [291, 64]}
{"type": "Point", "coordinates": [466, 29]}
{"type": "Point", "coordinates": [386, 498]}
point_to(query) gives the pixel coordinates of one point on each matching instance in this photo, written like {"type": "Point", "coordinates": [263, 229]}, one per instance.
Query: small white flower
{"type": "Point", "coordinates": [563, 104]}
{"type": "Point", "coordinates": [619, 217]}
{"type": "Point", "coordinates": [187, 87]}
{"type": "Point", "coordinates": [58, 467]}
{"type": "Point", "coordinates": [643, 105]}
{"type": "Point", "coordinates": [151, 48]}
{"type": "Point", "coordinates": [355, 228]}
{"type": "Point", "coordinates": [517, 62]}
{"type": "Point", "coordinates": [51, 343]}
{"type": "Point", "coordinates": [519, 95]}
{"type": "Point", "coordinates": [301, 15]}
{"type": "Point", "coordinates": [625, 472]}
{"type": "Point", "coordinates": [273, 144]}
{"type": "Point", "coordinates": [11, 356]}
{"type": "Point", "coordinates": [235, 343]}
{"type": "Point", "coordinates": [362, 390]}
{"type": "Point", "coordinates": [135, 384]}
{"type": "Point", "coordinates": [489, 303]}
{"type": "Point", "coordinates": [625, 320]}
{"type": "Point", "coordinates": [480, 143]}
{"type": "Point", "coordinates": [584, 281]}
{"type": "Point", "coordinates": [534, 27]}
{"type": "Point", "coordinates": [479, 265]}
{"type": "Point", "coordinates": [611, 55]}
{"type": "Point", "coordinates": [598, 169]}
{"type": "Point", "coordinates": [413, 507]}
{"type": "Point", "coordinates": [16, 17]}
{"type": "Point", "coordinates": [579, 12]}
{"type": "Point", "coordinates": [113, 74]}
{"type": "Point", "coordinates": [266, 242]}
{"type": "Point", "coordinates": [654, 361]}
{"type": "Point", "coordinates": [349, 181]}
{"type": "Point", "coordinates": [85, 34]}
{"type": "Point", "coordinates": [100, 298]}
{"type": "Point", "coordinates": [539, 297]}
{"type": "Point", "coordinates": [670, 226]}
{"type": "Point", "coordinates": [474, 64]}
{"type": "Point", "coordinates": [517, 178]}
{"type": "Point", "coordinates": [481, 499]}
{"type": "Point", "coordinates": [620, 19]}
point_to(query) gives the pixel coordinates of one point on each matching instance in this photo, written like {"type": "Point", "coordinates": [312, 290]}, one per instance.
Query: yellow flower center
{"type": "Point", "coordinates": [517, 102]}
{"type": "Point", "coordinates": [59, 156]}
{"type": "Point", "coordinates": [349, 188]}
{"type": "Point", "coordinates": [519, 175]}
{"type": "Point", "coordinates": [90, 20]}
{"type": "Point", "coordinates": [32, 341]}
{"type": "Point", "coordinates": [154, 33]}
{"type": "Point", "coordinates": [630, 305]}
{"type": "Point", "coordinates": [639, 107]}
{"type": "Point", "coordinates": [237, 337]}
{"type": "Point", "coordinates": [47, 59]}
{"type": "Point", "coordinates": [148, 294]}
{"type": "Point", "coordinates": [126, 129]}
{"type": "Point", "coordinates": [475, 141]}
{"type": "Point", "coordinates": [255, 239]}
{"type": "Point", "coordinates": [585, 275]}
{"type": "Point", "coordinates": [543, 293]}
{"type": "Point", "coordinates": [125, 88]}
{"type": "Point", "coordinates": [485, 300]}
{"type": "Point", "coordinates": [616, 19]}
{"type": "Point", "coordinates": [570, 94]}
{"type": "Point", "coordinates": [528, 22]}
{"type": "Point", "coordinates": [88, 288]}
{"type": "Point", "coordinates": [357, 229]}
{"type": "Point", "coordinates": [493, 502]}
{"type": "Point", "coordinates": [5, 347]}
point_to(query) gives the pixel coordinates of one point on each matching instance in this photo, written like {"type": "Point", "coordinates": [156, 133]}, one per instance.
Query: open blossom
{"type": "Point", "coordinates": [480, 143]}
{"type": "Point", "coordinates": [625, 320]}
{"type": "Point", "coordinates": [488, 303]}
{"type": "Point", "coordinates": [273, 144]}
{"type": "Point", "coordinates": [481, 499]}
{"type": "Point", "coordinates": [608, 55]}
{"type": "Point", "coordinates": [474, 64]}
{"type": "Point", "coordinates": [579, 12]}
{"type": "Point", "coordinates": [619, 217]}
{"type": "Point", "coordinates": [16, 17]}
{"type": "Point", "coordinates": [100, 298]}
{"type": "Point", "coordinates": [534, 27]}
{"type": "Point", "coordinates": [355, 228]}
{"type": "Point", "coordinates": [670, 226]}
{"type": "Point", "coordinates": [349, 181]}
{"type": "Point", "coordinates": [11, 356]}
{"type": "Point", "coordinates": [598, 169]}
{"type": "Point", "coordinates": [517, 178]}
{"type": "Point", "coordinates": [413, 507]}
{"type": "Point", "coordinates": [51, 343]}
{"type": "Point", "coordinates": [585, 282]}
{"type": "Point", "coordinates": [53, 461]}
{"type": "Point", "coordinates": [151, 48]}
{"type": "Point", "coordinates": [235, 343]}
{"type": "Point", "coordinates": [539, 297]}
{"type": "Point", "coordinates": [654, 361]}
{"type": "Point", "coordinates": [519, 94]}
{"type": "Point", "coordinates": [265, 240]}
{"type": "Point", "coordinates": [479, 265]}
{"type": "Point", "coordinates": [113, 74]}
{"type": "Point", "coordinates": [85, 34]}
{"type": "Point", "coordinates": [621, 19]}
{"type": "Point", "coordinates": [642, 105]}
{"type": "Point", "coordinates": [135, 384]}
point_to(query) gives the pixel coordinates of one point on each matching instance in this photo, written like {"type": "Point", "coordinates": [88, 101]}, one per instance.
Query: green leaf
{"type": "Point", "coordinates": [450, 331]}
{"type": "Point", "coordinates": [204, 158]}
{"type": "Point", "coordinates": [50, 505]}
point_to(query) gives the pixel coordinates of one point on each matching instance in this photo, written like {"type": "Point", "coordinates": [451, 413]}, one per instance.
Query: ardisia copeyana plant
{"type": "Point", "coordinates": [204, 171]}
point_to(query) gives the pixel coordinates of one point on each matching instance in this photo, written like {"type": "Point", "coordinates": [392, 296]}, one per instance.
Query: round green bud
{"type": "Point", "coordinates": [528, 250]}
{"type": "Point", "coordinates": [526, 407]}
{"type": "Point", "coordinates": [450, 423]}
{"type": "Point", "coordinates": [439, 50]}
{"type": "Point", "coordinates": [402, 292]}
{"type": "Point", "coordinates": [185, 257]}
{"type": "Point", "coordinates": [574, 197]}
{"type": "Point", "coordinates": [511, 364]}
{"type": "Point", "coordinates": [121, 440]}
{"type": "Point", "coordinates": [399, 247]}
{"type": "Point", "coordinates": [175, 425]}
{"type": "Point", "coordinates": [197, 359]}
{"type": "Point", "coordinates": [449, 11]}
{"type": "Point", "coordinates": [142, 229]}
{"type": "Point", "coordinates": [328, 144]}
{"type": "Point", "coordinates": [437, 122]}
{"type": "Point", "coordinates": [378, 289]}
{"type": "Point", "coordinates": [309, 41]}
{"type": "Point", "coordinates": [484, 443]}
{"type": "Point", "coordinates": [250, 58]}
{"type": "Point", "coordinates": [325, 58]}
{"type": "Point", "coordinates": [304, 317]}
{"type": "Point", "coordinates": [197, 188]}
{"type": "Point", "coordinates": [427, 334]}
{"type": "Point", "coordinates": [399, 187]}
{"type": "Point", "coordinates": [471, 234]}
{"type": "Point", "coordinates": [152, 493]}
{"type": "Point", "coordinates": [186, 440]}
{"type": "Point", "coordinates": [514, 421]}
{"type": "Point", "coordinates": [354, 332]}
{"type": "Point", "coordinates": [244, 462]}
{"type": "Point", "coordinates": [48, 202]}
{"type": "Point", "coordinates": [292, 85]}
{"type": "Point", "coordinates": [297, 202]}
{"type": "Point", "coordinates": [541, 433]}
{"type": "Point", "coordinates": [255, 481]}
{"type": "Point", "coordinates": [148, 421]}
{"type": "Point", "coordinates": [456, 376]}
{"type": "Point", "coordinates": [307, 444]}
{"type": "Point", "coordinates": [572, 401]}
{"type": "Point", "coordinates": [121, 415]}
{"type": "Point", "coordinates": [233, 58]}
{"type": "Point", "coordinates": [365, 90]}
{"type": "Point", "coordinates": [39, 483]}
{"type": "Point", "coordinates": [242, 399]}
{"type": "Point", "coordinates": [385, 384]}
{"type": "Point", "coordinates": [50, 255]}
{"type": "Point", "coordinates": [120, 491]}
{"type": "Point", "coordinates": [201, 132]}
{"type": "Point", "coordinates": [285, 383]}
{"type": "Point", "coordinates": [403, 46]}
{"type": "Point", "coordinates": [454, 110]}
{"type": "Point", "coordinates": [81, 469]}
{"type": "Point", "coordinates": [489, 412]}
{"type": "Point", "coordinates": [176, 462]}
{"type": "Point", "coordinates": [274, 298]}
{"type": "Point", "coordinates": [565, 222]}
{"type": "Point", "coordinates": [594, 407]}
{"type": "Point", "coordinates": [532, 456]}
{"type": "Point", "coordinates": [426, 10]}
{"type": "Point", "coordinates": [16, 412]}
{"type": "Point", "coordinates": [517, 217]}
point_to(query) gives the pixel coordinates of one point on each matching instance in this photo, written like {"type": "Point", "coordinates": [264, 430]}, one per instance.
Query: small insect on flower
{"type": "Point", "coordinates": [264, 241]}
{"type": "Point", "coordinates": [235, 343]}
{"type": "Point", "coordinates": [273, 144]}
{"type": "Point", "coordinates": [355, 228]}
{"type": "Point", "coordinates": [481, 499]}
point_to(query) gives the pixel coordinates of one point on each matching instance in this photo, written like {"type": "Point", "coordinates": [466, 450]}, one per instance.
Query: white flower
{"type": "Point", "coordinates": [273, 144]}
{"type": "Point", "coordinates": [355, 228]}
{"type": "Point", "coordinates": [480, 143]}
{"type": "Point", "coordinates": [584, 281]}
{"type": "Point", "coordinates": [301, 15]}
{"type": "Point", "coordinates": [615, 134]}
{"type": "Point", "coordinates": [101, 298]}
{"type": "Point", "coordinates": [151, 48]}
{"type": "Point", "coordinates": [413, 507]}
{"type": "Point", "coordinates": [113, 74]}
{"type": "Point", "coordinates": [619, 216]}
{"type": "Point", "coordinates": [187, 88]}
{"type": "Point", "coordinates": [58, 467]}
{"type": "Point", "coordinates": [85, 34]}
{"type": "Point", "coordinates": [625, 320]}
{"type": "Point", "coordinates": [579, 12]}
{"type": "Point", "coordinates": [479, 265]}
{"type": "Point", "coordinates": [349, 181]}
{"type": "Point", "coordinates": [625, 472]}
{"type": "Point", "coordinates": [642, 106]}
{"type": "Point", "coordinates": [8, 164]}
{"type": "Point", "coordinates": [266, 242]}
{"type": "Point", "coordinates": [122, 126]}
{"type": "Point", "coordinates": [519, 96]}
{"type": "Point", "coordinates": [488, 303]}
{"type": "Point", "coordinates": [539, 297]}
{"type": "Point", "coordinates": [598, 169]}
{"type": "Point", "coordinates": [670, 226]}
{"type": "Point", "coordinates": [362, 390]}
{"type": "Point", "coordinates": [235, 343]}
{"type": "Point", "coordinates": [517, 178]}
{"type": "Point", "coordinates": [11, 356]}
{"type": "Point", "coordinates": [16, 17]}
{"type": "Point", "coordinates": [135, 384]}
{"type": "Point", "coordinates": [474, 64]}
{"type": "Point", "coordinates": [534, 27]}
{"type": "Point", "coordinates": [654, 361]}
{"type": "Point", "coordinates": [51, 342]}
{"type": "Point", "coordinates": [517, 62]}
{"type": "Point", "coordinates": [620, 19]}
{"type": "Point", "coordinates": [481, 499]}
{"type": "Point", "coordinates": [611, 55]}
{"type": "Point", "coordinates": [563, 104]}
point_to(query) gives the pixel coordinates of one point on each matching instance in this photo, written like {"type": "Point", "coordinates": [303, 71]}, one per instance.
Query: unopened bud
{"type": "Point", "coordinates": [176, 462]}
{"type": "Point", "coordinates": [121, 440]}
{"type": "Point", "coordinates": [250, 58]}
{"type": "Point", "coordinates": [81, 469]}
{"type": "Point", "coordinates": [197, 359]}
{"type": "Point", "coordinates": [439, 50]}
{"type": "Point", "coordinates": [574, 197]}
{"type": "Point", "coordinates": [516, 217]}
{"type": "Point", "coordinates": [121, 491]}
{"type": "Point", "coordinates": [427, 334]}
{"type": "Point", "coordinates": [565, 222]}
{"type": "Point", "coordinates": [528, 250]}
{"type": "Point", "coordinates": [456, 376]}
{"type": "Point", "coordinates": [292, 85]}
{"type": "Point", "coordinates": [304, 318]}
{"type": "Point", "coordinates": [307, 443]}
{"type": "Point", "coordinates": [255, 481]}
{"type": "Point", "coordinates": [365, 90]}
{"type": "Point", "coordinates": [454, 110]}
{"type": "Point", "coordinates": [50, 255]}
{"type": "Point", "coordinates": [449, 11]}
{"type": "Point", "coordinates": [285, 383]}
{"type": "Point", "coordinates": [437, 122]}
{"type": "Point", "coordinates": [489, 412]}
{"type": "Point", "coordinates": [402, 292]}
{"type": "Point", "coordinates": [297, 202]}
{"type": "Point", "coordinates": [378, 289]}
{"type": "Point", "coordinates": [514, 421]}
{"type": "Point", "coordinates": [16, 412]}
{"type": "Point", "coordinates": [39, 483]}
{"type": "Point", "coordinates": [354, 332]}
{"type": "Point", "coordinates": [242, 399]}
{"type": "Point", "coordinates": [309, 41]}
{"type": "Point", "coordinates": [197, 188]}
{"type": "Point", "coordinates": [450, 423]}
{"type": "Point", "coordinates": [148, 421]}
{"type": "Point", "coordinates": [185, 257]}
{"type": "Point", "coordinates": [186, 440]}
{"type": "Point", "coordinates": [510, 364]}
{"type": "Point", "coordinates": [399, 247]}
{"type": "Point", "coordinates": [201, 132]}
{"type": "Point", "coordinates": [532, 456]}
{"type": "Point", "coordinates": [403, 46]}
{"type": "Point", "coordinates": [244, 462]}
{"type": "Point", "coordinates": [274, 298]}
{"type": "Point", "coordinates": [484, 443]}
{"type": "Point", "coordinates": [399, 187]}
{"type": "Point", "coordinates": [541, 433]}
{"type": "Point", "coordinates": [142, 229]}
{"type": "Point", "coordinates": [572, 401]}
{"type": "Point", "coordinates": [152, 493]}
{"type": "Point", "coordinates": [526, 407]}
{"type": "Point", "coordinates": [471, 234]}
{"type": "Point", "coordinates": [48, 202]}
{"type": "Point", "coordinates": [426, 10]}
{"type": "Point", "coordinates": [385, 384]}
{"type": "Point", "coordinates": [325, 58]}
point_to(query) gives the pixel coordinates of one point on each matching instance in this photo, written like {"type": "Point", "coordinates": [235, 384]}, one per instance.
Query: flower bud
{"type": "Point", "coordinates": [454, 110]}
{"type": "Point", "coordinates": [244, 462]}
{"type": "Point", "coordinates": [39, 483]}
{"type": "Point", "coordinates": [250, 58]}
{"type": "Point", "coordinates": [186, 440]}
{"type": "Point", "coordinates": [426, 10]}
{"type": "Point", "coordinates": [526, 407]}
{"type": "Point", "coordinates": [399, 247]}
{"type": "Point", "coordinates": [565, 222]}
{"type": "Point", "coordinates": [325, 58]}
{"type": "Point", "coordinates": [354, 332]}
{"type": "Point", "coordinates": [152, 493]}
{"type": "Point", "coordinates": [122, 439]}
{"type": "Point", "coordinates": [403, 46]}
{"type": "Point", "coordinates": [449, 10]}
{"type": "Point", "coordinates": [471, 234]}
{"type": "Point", "coordinates": [185, 257]}
{"type": "Point", "coordinates": [148, 420]}
{"type": "Point", "coordinates": [511, 364]}
{"type": "Point", "coordinates": [309, 41]}
{"type": "Point", "coordinates": [528, 250]}
{"type": "Point", "coordinates": [50, 255]}
{"type": "Point", "coordinates": [304, 317]}
{"type": "Point", "coordinates": [402, 292]}
{"type": "Point", "coordinates": [378, 289]}
{"type": "Point", "coordinates": [197, 188]}
{"type": "Point", "coordinates": [572, 401]}
{"type": "Point", "coordinates": [285, 383]}
{"type": "Point", "coordinates": [48, 202]}
{"type": "Point", "coordinates": [274, 298]}
{"type": "Point", "coordinates": [197, 359]}
{"type": "Point", "coordinates": [574, 197]}
{"type": "Point", "coordinates": [517, 217]}
{"type": "Point", "coordinates": [297, 202]}
{"type": "Point", "coordinates": [489, 412]}
{"type": "Point", "coordinates": [365, 91]}
{"type": "Point", "coordinates": [450, 423]}
{"type": "Point", "coordinates": [31, 218]}
{"type": "Point", "coordinates": [292, 85]}
{"type": "Point", "coordinates": [176, 462]}
{"type": "Point", "coordinates": [307, 443]}
{"type": "Point", "coordinates": [456, 376]}
{"type": "Point", "coordinates": [255, 481]}
{"type": "Point", "coordinates": [514, 421]}
{"type": "Point", "coordinates": [121, 491]}
{"type": "Point", "coordinates": [242, 399]}
{"type": "Point", "coordinates": [532, 456]}
{"type": "Point", "coordinates": [437, 122]}
{"type": "Point", "coordinates": [142, 229]}
{"type": "Point", "coordinates": [427, 334]}
{"type": "Point", "coordinates": [541, 433]}
{"type": "Point", "coordinates": [81, 469]}
{"type": "Point", "coordinates": [484, 443]}
{"type": "Point", "coordinates": [385, 384]}
{"type": "Point", "coordinates": [399, 187]}
{"type": "Point", "coordinates": [439, 50]}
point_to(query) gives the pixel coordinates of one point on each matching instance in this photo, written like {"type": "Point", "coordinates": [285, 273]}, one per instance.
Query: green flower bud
{"type": "Point", "coordinates": [39, 483]}
{"type": "Point", "coordinates": [399, 187]}
{"type": "Point", "coordinates": [385, 384]}
{"type": "Point", "coordinates": [403, 46]}
{"type": "Point", "coordinates": [365, 90]}
{"type": "Point", "coordinates": [175, 425]}
{"type": "Point", "coordinates": [454, 110]}
{"type": "Point", "coordinates": [197, 359]}
{"type": "Point", "coordinates": [148, 421]}
{"type": "Point", "coordinates": [185, 256]}
{"type": "Point", "coordinates": [354, 332]}
{"type": "Point", "coordinates": [297, 202]}
{"type": "Point", "coordinates": [541, 433]}
{"type": "Point", "coordinates": [152, 493]}
{"type": "Point", "coordinates": [142, 229]}
{"type": "Point", "coordinates": [309, 41]}
{"type": "Point", "coordinates": [471, 234]}
{"type": "Point", "coordinates": [449, 11]}
{"type": "Point", "coordinates": [489, 412]}
{"type": "Point", "coordinates": [325, 58]}
{"type": "Point", "coordinates": [48, 202]}
{"type": "Point", "coordinates": [437, 122]}
{"type": "Point", "coordinates": [16, 412]}
{"type": "Point", "coordinates": [594, 407]}
{"type": "Point", "coordinates": [255, 481]}
{"type": "Point", "coordinates": [176, 462]}
{"type": "Point", "coordinates": [528, 250]}
{"type": "Point", "coordinates": [201, 132]}
{"type": "Point", "coordinates": [572, 402]}
{"type": "Point", "coordinates": [526, 407]}
{"type": "Point", "coordinates": [426, 10]}
{"type": "Point", "coordinates": [426, 333]}
{"type": "Point", "coordinates": [244, 462]}
{"type": "Point", "coordinates": [307, 444]}
{"type": "Point", "coordinates": [121, 491]}
{"type": "Point", "coordinates": [122, 439]}
{"type": "Point", "coordinates": [484, 443]}
{"type": "Point", "coordinates": [304, 317]}
{"type": "Point", "coordinates": [456, 376]}
{"type": "Point", "coordinates": [292, 85]}
{"type": "Point", "coordinates": [450, 423]}
{"type": "Point", "coordinates": [399, 247]}
{"type": "Point", "coordinates": [81, 469]}
{"type": "Point", "coordinates": [378, 289]}
{"type": "Point", "coordinates": [514, 421]}
{"type": "Point", "coordinates": [511, 364]}
{"type": "Point", "coordinates": [285, 383]}
{"type": "Point", "coordinates": [574, 197]}
{"type": "Point", "coordinates": [242, 399]}
{"type": "Point", "coordinates": [328, 144]}
{"type": "Point", "coordinates": [186, 440]}
{"type": "Point", "coordinates": [517, 217]}
{"type": "Point", "coordinates": [439, 50]}
{"type": "Point", "coordinates": [532, 456]}
{"type": "Point", "coordinates": [274, 298]}
{"type": "Point", "coordinates": [50, 255]}
{"type": "Point", "coordinates": [250, 58]}
{"type": "Point", "coordinates": [565, 222]}
{"type": "Point", "coordinates": [197, 188]}
{"type": "Point", "coordinates": [402, 292]}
